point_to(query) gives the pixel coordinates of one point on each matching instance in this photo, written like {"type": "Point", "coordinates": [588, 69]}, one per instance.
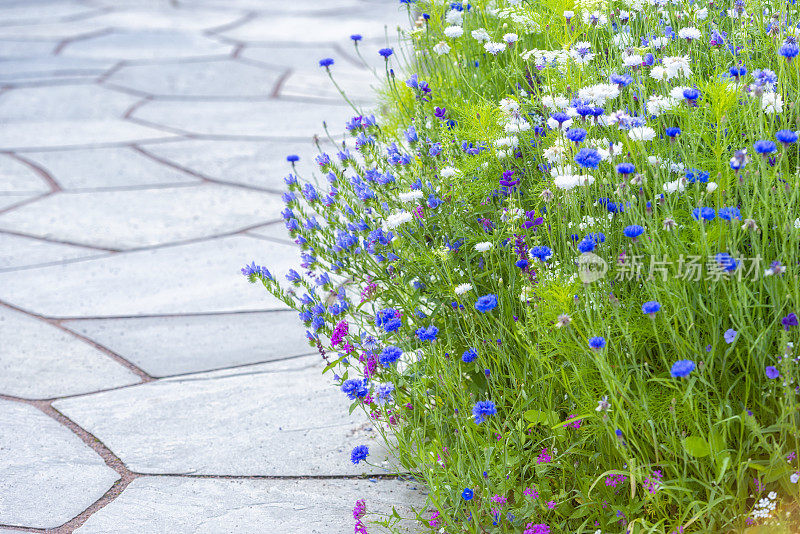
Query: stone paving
{"type": "Point", "coordinates": [145, 386]}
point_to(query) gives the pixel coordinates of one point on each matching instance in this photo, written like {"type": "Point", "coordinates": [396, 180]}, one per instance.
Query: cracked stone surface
{"type": "Point", "coordinates": [142, 154]}
{"type": "Point", "coordinates": [143, 217]}
{"type": "Point", "coordinates": [48, 474]}
{"type": "Point", "coordinates": [152, 282]}
{"type": "Point", "coordinates": [223, 423]}
{"type": "Point", "coordinates": [164, 346]}
{"type": "Point", "coordinates": [39, 361]}
{"type": "Point", "coordinates": [210, 506]}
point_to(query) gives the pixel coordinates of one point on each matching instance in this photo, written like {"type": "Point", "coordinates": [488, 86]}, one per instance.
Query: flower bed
{"type": "Point", "coordinates": [560, 274]}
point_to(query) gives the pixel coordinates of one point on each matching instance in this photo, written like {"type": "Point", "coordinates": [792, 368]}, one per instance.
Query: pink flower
{"type": "Point", "coordinates": [544, 458]}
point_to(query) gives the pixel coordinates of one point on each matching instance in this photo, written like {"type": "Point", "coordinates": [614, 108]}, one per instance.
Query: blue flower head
{"type": "Point", "coordinates": [588, 157]}
{"type": "Point", "coordinates": [764, 147]}
{"type": "Point", "coordinates": [651, 307]}
{"type": "Point", "coordinates": [390, 355]}
{"type": "Point", "coordinates": [293, 158]}
{"type": "Point", "coordinates": [706, 214]}
{"type": "Point", "coordinates": [541, 252]}
{"type": "Point", "coordinates": [326, 62]}
{"type": "Point", "coordinates": [427, 334]}
{"type": "Point", "coordinates": [626, 168]}
{"type": "Point", "coordinates": [772, 372]}
{"type": "Point", "coordinates": [597, 343]}
{"type": "Point", "coordinates": [467, 494]}
{"type": "Point", "coordinates": [355, 388]}
{"type": "Point", "coordinates": [576, 135]}
{"type": "Point", "coordinates": [682, 368]}
{"type": "Point", "coordinates": [386, 52]}
{"type": "Point", "coordinates": [359, 453]}
{"type": "Point", "coordinates": [469, 355]}
{"type": "Point", "coordinates": [586, 245]}
{"type": "Point", "coordinates": [486, 303]}
{"type": "Point", "coordinates": [786, 137]}
{"type": "Point", "coordinates": [789, 48]}
{"type": "Point", "coordinates": [729, 214]}
{"type": "Point", "coordinates": [633, 231]}
{"type": "Point", "coordinates": [482, 410]}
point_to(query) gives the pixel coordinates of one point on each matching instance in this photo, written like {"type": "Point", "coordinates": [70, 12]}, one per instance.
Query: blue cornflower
{"type": "Point", "coordinates": [356, 37]}
{"type": "Point", "coordinates": [633, 231]}
{"type": "Point", "coordinates": [427, 334]}
{"type": "Point", "coordinates": [623, 80]}
{"type": "Point", "coordinates": [482, 410]}
{"type": "Point", "coordinates": [691, 94]}
{"type": "Point", "coordinates": [469, 355]}
{"type": "Point", "coordinates": [726, 261]}
{"type": "Point", "coordinates": [703, 213]}
{"type": "Point", "coordinates": [682, 368]}
{"type": "Point", "coordinates": [626, 168]}
{"type": "Point", "coordinates": [486, 303]}
{"type": "Point", "coordinates": [696, 175]}
{"type": "Point", "coordinates": [588, 157]}
{"type": "Point", "coordinates": [576, 135]}
{"type": "Point", "coordinates": [764, 147]}
{"type": "Point", "coordinates": [729, 214]}
{"type": "Point", "coordinates": [390, 355]}
{"type": "Point", "coordinates": [772, 372]}
{"type": "Point", "coordinates": [359, 453]}
{"type": "Point", "coordinates": [730, 335]}
{"type": "Point", "coordinates": [673, 132]}
{"type": "Point", "coordinates": [467, 494]}
{"type": "Point", "coordinates": [541, 252]}
{"type": "Point", "coordinates": [789, 48]}
{"type": "Point", "coordinates": [597, 343]}
{"type": "Point", "coordinates": [786, 137]}
{"type": "Point", "coordinates": [293, 158]}
{"type": "Point", "coordinates": [586, 245]}
{"type": "Point", "coordinates": [737, 71]}
{"type": "Point", "coordinates": [386, 52]}
{"type": "Point", "coordinates": [355, 388]}
{"type": "Point", "coordinates": [326, 62]}
{"type": "Point", "coordinates": [384, 392]}
{"type": "Point", "coordinates": [651, 307]}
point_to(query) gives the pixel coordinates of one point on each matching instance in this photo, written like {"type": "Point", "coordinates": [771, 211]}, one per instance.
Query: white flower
{"type": "Point", "coordinates": [556, 102]}
{"type": "Point", "coordinates": [659, 42]}
{"type": "Point", "coordinates": [599, 93]}
{"type": "Point", "coordinates": [481, 35]}
{"type": "Point", "coordinates": [441, 48]}
{"type": "Point", "coordinates": [511, 38]}
{"type": "Point", "coordinates": [797, 224]}
{"type": "Point", "coordinates": [411, 196]}
{"type": "Point", "coordinates": [454, 17]}
{"type": "Point", "coordinates": [582, 52]}
{"type": "Point", "coordinates": [702, 14]}
{"type": "Point", "coordinates": [569, 181]}
{"type": "Point", "coordinates": [772, 495]}
{"type": "Point", "coordinates": [484, 246]}
{"type": "Point", "coordinates": [642, 133]}
{"type": "Point", "coordinates": [794, 478]}
{"type": "Point", "coordinates": [603, 405]}
{"type": "Point", "coordinates": [569, 14]}
{"type": "Point", "coordinates": [453, 32]}
{"type": "Point", "coordinates": [397, 218]}
{"type": "Point", "coordinates": [462, 288]}
{"type": "Point", "coordinates": [711, 187]}
{"type": "Point", "coordinates": [449, 172]}
{"type": "Point", "coordinates": [772, 102]}
{"type": "Point", "coordinates": [595, 18]}
{"type": "Point", "coordinates": [659, 104]}
{"type": "Point", "coordinates": [677, 92]}
{"type": "Point", "coordinates": [676, 66]}
{"type": "Point", "coordinates": [622, 40]}
{"type": "Point", "coordinates": [690, 33]}
{"type": "Point", "coordinates": [494, 48]}
{"type": "Point", "coordinates": [634, 60]}
{"type": "Point", "coordinates": [672, 187]}
{"type": "Point", "coordinates": [554, 124]}
{"type": "Point", "coordinates": [658, 73]}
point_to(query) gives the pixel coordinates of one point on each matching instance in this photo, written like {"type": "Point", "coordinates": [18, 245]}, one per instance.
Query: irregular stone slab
{"type": "Point", "coordinates": [165, 17]}
{"type": "Point", "coordinates": [52, 68]}
{"type": "Point", "coordinates": [280, 418]}
{"type": "Point", "coordinates": [276, 232]}
{"type": "Point", "coordinates": [37, 117]}
{"type": "Point", "coordinates": [67, 29]}
{"type": "Point", "coordinates": [309, 29]}
{"type": "Point", "coordinates": [358, 85]}
{"type": "Point", "coordinates": [27, 12]}
{"type": "Point", "coordinates": [18, 252]}
{"type": "Point", "coordinates": [165, 346]}
{"type": "Point", "coordinates": [260, 164]}
{"type": "Point", "coordinates": [108, 168]}
{"type": "Point", "coordinates": [145, 217]}
{"type": "Point", "coordinates": [147, 45]}
{"type": "Point", "coordinates": [200, 277]}
{"type": "Point", "coordinates": [9, 200]}
{"type": "Point", "coordinates": [271, 120]}
{"type": "Point", "coordinates": [274, 6]}
{"type": "Point", "coordinates": [16, 48]}
{"type": "Point", "coordinates": [298, 56]}
{"type": "Point", "coordinates": [16, 177]}
{"type": "Point", "coordinates": [48, 474]}
{"type": "Point", "coordinates": [206, 506]}
{"type": "Point", "coordinates": [39, 361]}
{"type": "Point", "coordinates": [223, 78]}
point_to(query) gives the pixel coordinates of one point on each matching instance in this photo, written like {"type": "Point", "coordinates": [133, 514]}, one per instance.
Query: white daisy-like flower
{"type": "Point", "coordinates": [411, 196]}
{"type": "Point", "coordinates": [659, 73]}
{"type": "Point", "coordinates": [599, 93]}
{"type": "Point", "coordinates": [690, 34]}
{"type": "Point", "coordinates": [449, 172]}
{"type": "Point", "coordinates": [633, 60]}
{"type": "Point", "coordinates": [454, 32]}
{"type": "Point", "coordinates": [481, 35]}
{"type": "Point", "coordinates": [659, 104]}
{"type": "Point", "coordinates": [484, 246]}
{"type": "Point", "coordinates": [454, 17]}
{"type": "Point", "coordinates": [462, 288]}
{"type": "Point", "coordinates": [569, 14]}
{"type": "Point", "coordinates": [555, 102]}
{"type": "Point", "coordinates": [677, 66]}
{"type": "Point", "coordinates": [570, 181]}
{"type": "Point", "coordinates": [711, 187]}
{"type": "Point", "coordinates": [582, 52]}
{"type": "Point", "coordinates": [676, 186]}
{"type": "Point", "coordinates": [659, 42]}
{"type": "Point", "coordinates": [397, 218]}
{"type": "Point", "coordinates": [494, 48]}
{"type": "Point", "coordinates": [510, 38]}
{"type": "Point", "coordinates": [441, 48]}
{"type": "Point", "coordinates": [642, 133]}
{"type": "Point", "coordinates": [677, 92]}
{"type": "Point", "coordinates": [622, 40]}
{"type": "Point", "coordinates": [772, 102]}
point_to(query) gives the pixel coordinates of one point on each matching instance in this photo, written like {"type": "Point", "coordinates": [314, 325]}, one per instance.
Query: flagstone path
{"type": "Point", "coordinates": [145, 387]}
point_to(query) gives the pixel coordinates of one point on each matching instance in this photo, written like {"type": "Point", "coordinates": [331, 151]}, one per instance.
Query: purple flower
{"type": "Point", "coordinates": [730, 335]}
{"type": "Point", "coordinates": [789, 321]}
{"type": "Point", "coordinates": [682, 368]}
{"type": "Point", "coordinates": [772, 372]}
{"type": "Point", "coordinates": [486, 303]}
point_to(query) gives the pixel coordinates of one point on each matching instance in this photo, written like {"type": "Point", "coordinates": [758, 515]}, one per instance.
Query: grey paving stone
{"type": "Point", "coordinates": [200, 277]}
{"type": "Point", "coordinates": [164, 346]}
{"type": "Point", "coordinates": [147, 45]}
{"type": "Point", "coordinates": [128, 219]}
{"type": "Point", "coordinates": [18, 252]}
{"type": "Point", "coordinates": [259, 164]}
{"type": "Point", "coordinates": [279, 418]}
{"type": "Point", "coordinates": [359, 85]}
{"type": "Point", "coordinates": [113, 167]}
{"type": "Point", "coordinates": [39, 361]}
{"type": "Point", "coordinates": [274, 119]}
{"type": "Point", "coordinates": [52, 68]}
{"type": "Point", "coordinates": [37, 117]}
{"type": "Point", "coordinates": [162, 16]}
{"type": "Point", "coordinates": [270, 28]}
{"type": "Point", "coordinates": [47, 474]}
{"type": "Point", "coordinates": [275, 232]}
{"type": "Point", "coordinates": [7, 200]}
{"type": "Point", "coordinates": [273, 6]}
{"type": "Point", "coordinates": [297, 56]}
{"type": "Point", "coordinates": [221, 78]}
{"type": "Point", "coordinates": [16, 48]}
{"type": "Point", "coordinates": [66, 29]}
{"type": "Point", "coordinates": [16, 177]}
{"type": "Point", "coordinates": [169, 504]}
{"type": "Point", "coordinates": [39, 11]}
